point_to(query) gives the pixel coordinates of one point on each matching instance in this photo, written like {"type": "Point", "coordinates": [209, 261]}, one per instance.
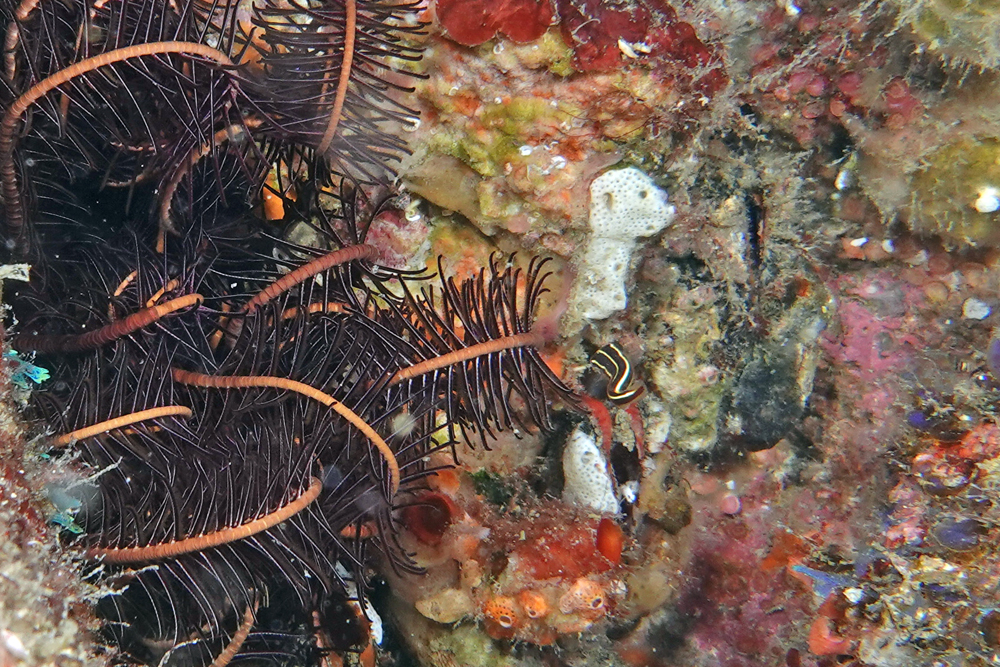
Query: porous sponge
{"type": "Point", "coordinates": [625, 205]}
{"type": "Point", "coordinates": [588, 482]}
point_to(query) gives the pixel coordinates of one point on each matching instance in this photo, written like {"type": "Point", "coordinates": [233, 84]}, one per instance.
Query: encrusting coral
{"type": "Point", "coordinates": [791, 445]}
{"type": "Point", "coordinates": [45, 606]}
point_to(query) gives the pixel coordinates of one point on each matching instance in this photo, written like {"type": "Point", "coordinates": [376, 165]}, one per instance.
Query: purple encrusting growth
{"type": "Point", "coordinates": [993, 358]}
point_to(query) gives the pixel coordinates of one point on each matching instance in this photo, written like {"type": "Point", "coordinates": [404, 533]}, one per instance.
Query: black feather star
{"type": "Point", "coordinates": [249, 445]}
{"type": "Point", "coordinates": [251, 412]}
{"type": "Point", "coordinates": [135, 93]}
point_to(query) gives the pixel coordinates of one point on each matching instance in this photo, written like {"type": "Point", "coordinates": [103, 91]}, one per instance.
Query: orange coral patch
{"type": "Point", "coordinates": [823, 637]}
{"type": "Point", "coordinates": [565, 552]}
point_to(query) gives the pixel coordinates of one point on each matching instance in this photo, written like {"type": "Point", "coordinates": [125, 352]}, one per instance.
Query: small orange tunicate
{"type": "Point", "coordinates": [585, 596]}
{"type": "Point", "coordinates": [610, 540]}
{"type": "Point", "coordinates": [502, 610]}
{"type": "Point", "coordinates": [273, 203]}
{"type": "Point", "coordinates": [430, 517]}
{"type": "Point", "coordinates": [274, 206]}
{"type": "Point", "coordinates": [730, 504]}
{"type": "Point", "coordinates": [534, 604]}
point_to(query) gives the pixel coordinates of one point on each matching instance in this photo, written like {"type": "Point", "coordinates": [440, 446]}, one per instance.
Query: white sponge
{"type": "Point", "coordinates": [587, 479]}
{"type": "Point", "coordinates": [625, 205]}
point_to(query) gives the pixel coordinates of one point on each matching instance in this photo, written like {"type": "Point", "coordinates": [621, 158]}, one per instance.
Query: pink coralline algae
{"type": "Point", "coordinates": [877, 334]}
{"type": "Point", "coordinates": [398, 238]}
{"type": "Point", "coordinates": [871, 342]}
{"type": "Point", "coordinates": [907, 517]}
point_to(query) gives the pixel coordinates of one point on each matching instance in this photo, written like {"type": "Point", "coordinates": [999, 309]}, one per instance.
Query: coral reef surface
{"type": "Point", "coordinates": [778, 324]}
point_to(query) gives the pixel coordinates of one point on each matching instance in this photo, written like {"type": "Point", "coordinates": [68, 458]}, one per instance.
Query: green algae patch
{"type": "Point", "coordinates": [547, 52]}
{"type": "Point", "coordinates": [511, 116]}
{"type": "Point", "coordinates": [492, 487]}
{"type": "Point", "coordinates": [946, 188]}
{"type": "Point", "coordinates": [962, 30]}
{"type": "Point", "coordinates": [475, 153]}
{"type": "Point", "coordinates": [495, 141]}
{"type": "Point", "coordinates": [469, 646]}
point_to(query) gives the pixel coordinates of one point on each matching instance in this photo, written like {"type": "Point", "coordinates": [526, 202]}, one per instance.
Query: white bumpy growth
{"type": "Point", "coordinates": [587, 480]}
{"type": "Point", "coordinates": [625, 205]}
